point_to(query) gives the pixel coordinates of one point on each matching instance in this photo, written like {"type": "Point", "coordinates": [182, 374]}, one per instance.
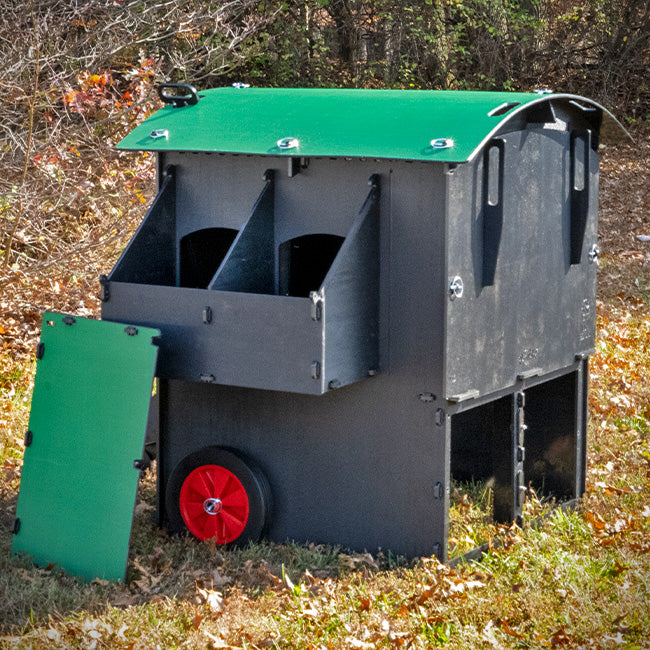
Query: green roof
{"type": "Point", "coordinates": [422, 125]}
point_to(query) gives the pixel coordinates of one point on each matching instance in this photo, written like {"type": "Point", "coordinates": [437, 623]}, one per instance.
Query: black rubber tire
{"type": "Point", "coordinates": [253, 480]}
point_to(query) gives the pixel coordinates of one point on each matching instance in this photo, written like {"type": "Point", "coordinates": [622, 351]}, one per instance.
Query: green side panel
{"type": "Point", "coordinates": [87, 423]}
{"type": "Point", "coordinates": [334, 122]}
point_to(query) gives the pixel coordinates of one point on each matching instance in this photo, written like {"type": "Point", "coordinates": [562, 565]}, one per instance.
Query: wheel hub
{"type": "Point", "coordinates": [212, 506]}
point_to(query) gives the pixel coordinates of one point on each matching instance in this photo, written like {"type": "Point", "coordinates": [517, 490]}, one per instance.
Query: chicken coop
{"type": "Point", "coordinates": [354, 297]}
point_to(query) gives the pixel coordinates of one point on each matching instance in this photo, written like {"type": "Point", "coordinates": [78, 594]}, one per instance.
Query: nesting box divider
{"type": "Point", "coordinates": [249, 265]}
{"type": "Point", "coordinates": [150, 257]}
{"type": "Point", "coordinates": [350, 295]}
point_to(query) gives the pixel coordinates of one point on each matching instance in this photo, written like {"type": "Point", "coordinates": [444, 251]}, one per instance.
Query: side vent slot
{"type": "Point", "coordinates": [492, 208]}
{"type": "Point", "coordinates": [579, 196]}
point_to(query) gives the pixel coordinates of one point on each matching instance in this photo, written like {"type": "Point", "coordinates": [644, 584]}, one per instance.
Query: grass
{"type": "Point", "coordinates": [580, 579]}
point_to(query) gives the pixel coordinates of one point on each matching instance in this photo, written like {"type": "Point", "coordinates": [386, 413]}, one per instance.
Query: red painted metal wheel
{"type": "Point", "coordinates": [214, 504]}
{"type": "Point", "coordinates": [218, 493]}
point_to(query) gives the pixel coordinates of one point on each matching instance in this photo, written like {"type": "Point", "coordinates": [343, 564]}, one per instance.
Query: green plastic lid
{"type": "Point", "coordinates": [423, 125]}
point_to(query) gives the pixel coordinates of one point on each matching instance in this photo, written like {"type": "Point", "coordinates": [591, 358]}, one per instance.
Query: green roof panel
{"type": "Point", "coordinates": [398, 124]}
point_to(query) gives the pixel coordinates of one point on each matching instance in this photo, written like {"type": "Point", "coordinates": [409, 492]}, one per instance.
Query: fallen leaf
{"type": "Point", "coordinates": [364, 604]}
{"type": "Point", "coordinates": [213, 599]}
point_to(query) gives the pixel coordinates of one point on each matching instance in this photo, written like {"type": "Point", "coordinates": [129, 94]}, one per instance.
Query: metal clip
{"type": "Point", "coordinates": [456, 288]}
{"type": "Point", "coordinates": [316, 305]}
{"type": "Point", "coordinates": [287, 143]}
{"type": "Point", "coordinates": [442, 143]}
{"type": "Point", "coordinates": [159, 133]}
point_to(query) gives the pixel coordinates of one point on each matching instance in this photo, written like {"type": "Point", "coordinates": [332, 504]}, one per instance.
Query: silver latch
{"type": "Point", "coordinates": [156, 134]}
{"type": "Point", "coordinates": [594, 253]}
{"type": "Point", "coordinates": [316, 298]}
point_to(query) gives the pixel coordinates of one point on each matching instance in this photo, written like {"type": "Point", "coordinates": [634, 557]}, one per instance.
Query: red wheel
{"type": "Point", "coordinates": [216, 493]}
{"type": "Point", "coordinates": [214, 504]}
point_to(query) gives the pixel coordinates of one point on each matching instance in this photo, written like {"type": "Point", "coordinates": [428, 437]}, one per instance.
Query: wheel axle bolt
{"type": "Point", "coordinates": [212, 506]}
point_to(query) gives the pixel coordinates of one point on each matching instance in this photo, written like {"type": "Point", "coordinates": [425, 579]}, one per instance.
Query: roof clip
{"type": "Point", "coordinates": [442, 143]}
{"type": "Point", "coordinates": [288, 143]}
{"type": "Point", "coordinates": [156, 134]}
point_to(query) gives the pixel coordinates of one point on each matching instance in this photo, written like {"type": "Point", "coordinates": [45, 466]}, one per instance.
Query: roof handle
{"type": "Point", "coordinates": [582, 107]}
{"type": "Point", "coordinates": [185, 95]}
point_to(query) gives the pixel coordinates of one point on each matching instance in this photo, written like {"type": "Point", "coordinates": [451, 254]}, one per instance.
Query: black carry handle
{"type": "Point", "coordinates": [189, 97]}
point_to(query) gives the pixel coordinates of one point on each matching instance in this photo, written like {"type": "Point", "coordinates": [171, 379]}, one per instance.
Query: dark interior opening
{"type": "Point", "coordinates": [551, 438]}
{"type": "Point", "coordinates": [201, 254]}
{"type": "Point", "coordinates": [482, 446]}
{"type": "Point", "coordinates": [480, 452]}
{"type": "Point", "coordinates": [305, 261]}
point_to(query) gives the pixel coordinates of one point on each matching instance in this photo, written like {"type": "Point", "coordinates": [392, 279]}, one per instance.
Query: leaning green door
{"type": "Point", "coordinates": [86, 429]}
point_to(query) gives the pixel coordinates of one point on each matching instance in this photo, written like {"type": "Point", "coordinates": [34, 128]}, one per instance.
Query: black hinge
{"type": "Point", "coordinates": [16, 526]}
{"type": "Point", "coordinates": [29, 438]}
{"type": "Point", "coordinates": [69, 320]}
{"type": "Point", "coordinates": [104, 291]}
{"type": "Point", "coordinates": [40, 350]}
{"type": "Point", "coordinates": [440, 417]}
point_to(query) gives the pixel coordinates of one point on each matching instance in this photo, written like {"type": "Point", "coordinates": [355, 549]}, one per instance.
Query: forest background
{"type": "Point", "coordinates": [77, 76]}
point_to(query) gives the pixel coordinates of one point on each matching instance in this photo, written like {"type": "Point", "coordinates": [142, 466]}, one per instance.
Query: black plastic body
{"type": "Point", "coordinates": [360, 399]}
